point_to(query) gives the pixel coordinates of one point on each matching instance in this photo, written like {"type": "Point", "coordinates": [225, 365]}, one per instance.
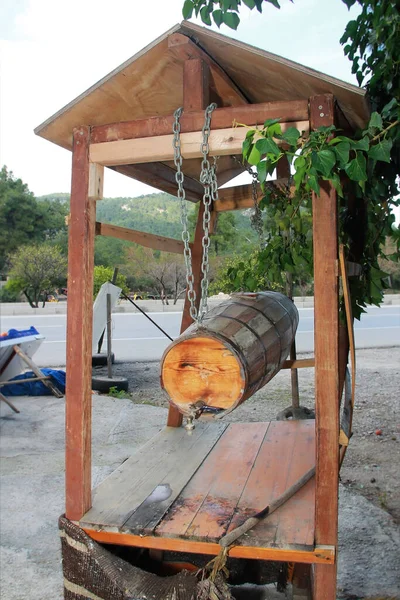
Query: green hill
{"type": "Point", "coordinates": [157, 213]}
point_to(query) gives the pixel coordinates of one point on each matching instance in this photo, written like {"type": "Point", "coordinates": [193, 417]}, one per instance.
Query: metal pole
{"type": "Point", "coordinates": [113, 281]}
{"type": "Point", "coordinates": [109, 358]}
{"type": "Point", "coordinates": [293, 355]}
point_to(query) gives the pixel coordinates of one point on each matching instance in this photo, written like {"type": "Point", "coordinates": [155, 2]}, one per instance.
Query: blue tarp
{"type": "Point", "coordinates": [14, 334]}
{"type": "Point", "coordinates": [35, 388]}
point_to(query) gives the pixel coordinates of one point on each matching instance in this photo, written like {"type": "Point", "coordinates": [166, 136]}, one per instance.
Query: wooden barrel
{"type": "Point", "coordinates": [241, 344]}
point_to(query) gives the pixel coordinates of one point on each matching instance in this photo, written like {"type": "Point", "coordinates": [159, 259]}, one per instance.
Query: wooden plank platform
{"type": "Point", "coordinates": [184, 491]}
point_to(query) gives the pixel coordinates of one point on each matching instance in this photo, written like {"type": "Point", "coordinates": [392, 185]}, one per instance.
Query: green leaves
{"type": "Point", "coordinates": [342, 151]}
{"type": "Point", "coordinates": [357, 168]}
{"type": "Point", "coordinates": [323, 161]}
{"type": "Point", "coordinates": [381, 151]}
{"type": "Point", "coordinates": [187, 9]}
{"type": "Point", "coordinates": [375, 121]}
{"type": "Point", "coordinates": [267, 146]}
{"type": "Point", "coordinates": [291, 136]}
{"type": "Point", "coordinates": [231, 19]}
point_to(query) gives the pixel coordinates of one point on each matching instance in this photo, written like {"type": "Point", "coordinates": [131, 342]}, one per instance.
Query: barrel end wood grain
{"type": "Point", "coordinates": [240, 346]}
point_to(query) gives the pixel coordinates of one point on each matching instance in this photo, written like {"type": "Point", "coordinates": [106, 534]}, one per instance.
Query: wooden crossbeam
{"type": "Point", "coordinates": [149, 240]}
{"type": "Point", "coordinates": [299, 363]}
{"type": "Point", "coordinates": [240, 197]}
{"type": "Point", "coordinates": [250, 114]}
{"type": "Point", "coordinates": [182, 47]}
{"type": "Point", "coordinates": [222, 142]}
{"type": "Point", "coordinates": [162, 177]}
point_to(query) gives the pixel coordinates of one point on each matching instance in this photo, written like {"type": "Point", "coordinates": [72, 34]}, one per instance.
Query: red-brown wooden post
{"type": "Point", "coordinates": [195, 97]}
{"type": "Point", "coordinates": [326, 339]}
{"type": "Point", "coordinates": [79, 332]}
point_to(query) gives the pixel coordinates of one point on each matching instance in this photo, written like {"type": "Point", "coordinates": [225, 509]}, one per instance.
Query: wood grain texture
{"type": "Point", "coordinates": [162, 177]}
{"type": "Point", "coordinates": [96, 181]}
{"type": "Point", "coordinates": [324, 555]}
{"type": "Point", "coordinates": [326, 337]}
{"type": "Point", "coordinates": [149, 240]}
{"type": "Point", "coordinates": [169, 459]}
{"type": "Point", "coordinates": [202, 368]}
{"type": "Point", "coordinates": [286, 453]}
{"type": "Point", "coordinates": [242, 344]}
{"type": "Point", "coordinates": [181, 47]}
{"type": "Point", "coordinates": [151, 84]}
{"type": "Point", "coordinates": [249, 465]}
{"type": "Point", "coordinates": [196, 88]}
{"type": "Point", "coordinates": [240, 197]}
{"type": "Point", "coordinates": [160, 148]}
{"type": "Point", "coordinates": [79, 332]}
{"type": "Point", "coordinates": [250, 114]}
{"type": "Point", "coordinates": [237, 451]}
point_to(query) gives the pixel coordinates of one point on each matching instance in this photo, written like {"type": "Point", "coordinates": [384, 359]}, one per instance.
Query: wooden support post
{"type": "Point", "coordinates": [196, 97]}
{"type": "Point", "coordinates": [79, 332]}
{"type": "Point", "coordinates": [326, 336]}
{"type": "Point", "coordinates": [283, 171]}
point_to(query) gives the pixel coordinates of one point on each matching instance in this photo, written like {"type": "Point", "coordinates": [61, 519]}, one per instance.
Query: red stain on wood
{"type": "Point", "coordinates": [79, 332]}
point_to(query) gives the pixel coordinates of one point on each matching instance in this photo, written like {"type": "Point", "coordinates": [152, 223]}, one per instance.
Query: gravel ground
{"type": "Point", "coordinates": [32, 479]}
{"type": "Point", "coordinates": [371, 466]}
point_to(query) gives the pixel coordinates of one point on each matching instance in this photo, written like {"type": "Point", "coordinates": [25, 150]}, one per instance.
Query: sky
{"type": "Point", "coordinates": [51, 51]}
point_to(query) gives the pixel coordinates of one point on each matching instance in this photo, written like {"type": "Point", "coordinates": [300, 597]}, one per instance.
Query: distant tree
{"type": "Point", "coordinates": [164, 272]}
{"type": "Point", "coordinates": [21, 220]}
{"type": "Point", "coordinates": [103, 274]}
{"type": "Point", "coordinates": [176, 277]}
{"type": "Point", "coordinates": [36, 271]}
{"type": "Point", "coordinates": [109, 252]}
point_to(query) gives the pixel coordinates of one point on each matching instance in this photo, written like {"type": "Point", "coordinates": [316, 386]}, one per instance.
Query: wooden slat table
{"type": "Point", "coordinates": [184, 491]}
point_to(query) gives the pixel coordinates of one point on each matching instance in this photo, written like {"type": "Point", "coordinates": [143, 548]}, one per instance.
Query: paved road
{"type": "Point", "coordinates": [136, 339]}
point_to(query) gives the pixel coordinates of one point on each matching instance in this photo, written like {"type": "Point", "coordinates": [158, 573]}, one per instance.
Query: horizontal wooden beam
{"type": "Point", "coordinates": [182, 48]}
{"type": "Point", "coordinates": [162, 177]}
{"type": "Point", "coordinates": [299, 363]}
{"type": "Point", "coordinates": [149, 240]}
{"type": "Point", "coordinates": [240, 197]}
{"type": "Point", "coordinates": [250, 114]}
{"type": "Point", "coordinates": [320, 554]}
{"type": "Point", "coordinates": [222, 142]}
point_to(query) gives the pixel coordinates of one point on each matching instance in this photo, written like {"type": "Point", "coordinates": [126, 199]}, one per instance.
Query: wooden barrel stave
{"type": "Point", "coordinates": [240, 346]}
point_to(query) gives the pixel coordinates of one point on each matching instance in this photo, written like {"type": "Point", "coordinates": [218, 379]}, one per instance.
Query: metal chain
{"type": "Point", "coordinates": [256, 220]}
{"type": "Point", "coordinates": [208, 178]}
{"type": "Point", "coordinates": [179, 177]}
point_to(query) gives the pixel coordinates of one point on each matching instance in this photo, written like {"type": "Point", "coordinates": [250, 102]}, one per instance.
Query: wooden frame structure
{"type": "Point", "coordinates": [142, 148]}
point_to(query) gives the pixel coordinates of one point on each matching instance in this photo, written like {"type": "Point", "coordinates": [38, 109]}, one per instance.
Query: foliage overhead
{"type": "Point", "coordinates": [364, 168]}
{"type": "Point", "coordinates": [222, 11]}
{"type": "Point", "coordinates": [37, 271]}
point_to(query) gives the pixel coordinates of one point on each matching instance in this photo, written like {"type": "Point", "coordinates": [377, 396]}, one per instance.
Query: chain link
{"type": "Point", "coordinates": [179, 177]}
{"type": "Point", "coordinates": [208, 178]}
{"type": "Point", "coordinates": [256, 220]}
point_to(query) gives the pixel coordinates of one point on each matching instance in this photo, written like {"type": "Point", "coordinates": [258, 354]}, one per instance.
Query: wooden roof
{"type": "Point", "coordinates": [151, 83]}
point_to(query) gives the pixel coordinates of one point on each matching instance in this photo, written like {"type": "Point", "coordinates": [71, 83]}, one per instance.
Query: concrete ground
{"type": "Point", "coordinates": [32, 498]}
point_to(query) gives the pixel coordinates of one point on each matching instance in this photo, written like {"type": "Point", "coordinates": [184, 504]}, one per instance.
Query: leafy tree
{"type": "Point", "coordinates": [103, 274]}
{"type": "Point", "coordinates": [21, 220]}
{"type": "Point", "coordinates": [36, 271]}
{"type": "Point", "coordinates": [109, 252]}
{"type": "Point", "coordinates": [226, 11]}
